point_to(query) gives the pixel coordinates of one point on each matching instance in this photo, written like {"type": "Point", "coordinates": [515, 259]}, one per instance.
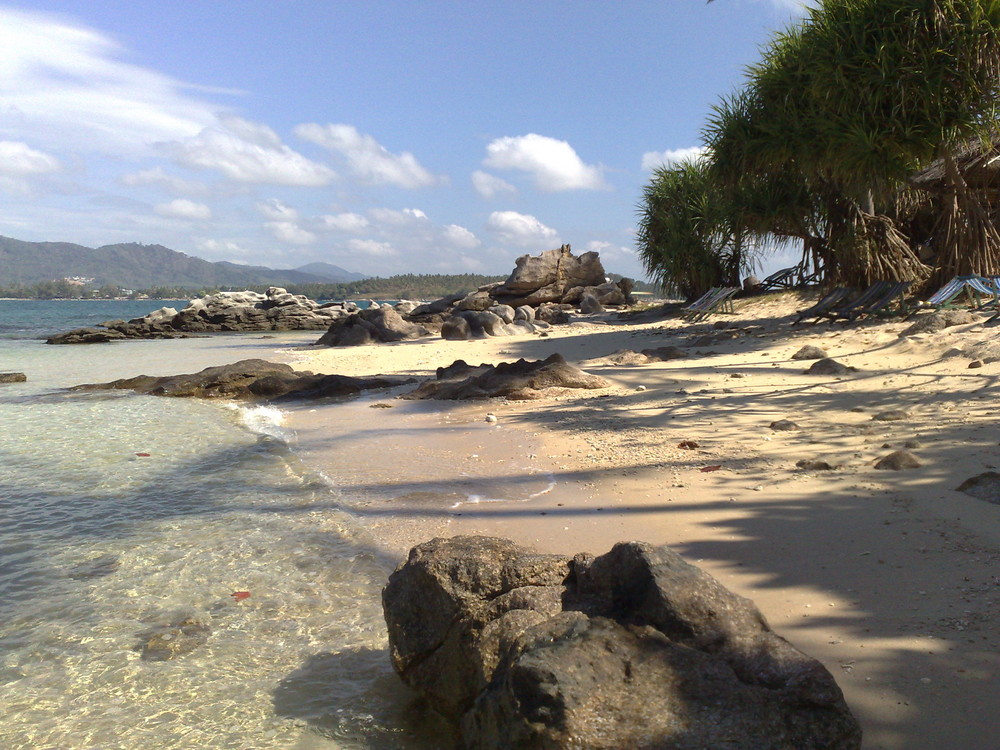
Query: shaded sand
{"type": "Point", "coordinates": [891, 578]}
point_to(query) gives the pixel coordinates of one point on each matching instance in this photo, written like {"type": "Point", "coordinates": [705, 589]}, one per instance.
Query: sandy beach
{"type": "Point", "coordinates": [890, 578]}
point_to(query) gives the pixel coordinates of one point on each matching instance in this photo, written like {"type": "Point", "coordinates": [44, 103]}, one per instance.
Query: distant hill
{"type": "Point", "coordinates": [139, 266]}
{"type": "Point", "coordinates": [330, 272]}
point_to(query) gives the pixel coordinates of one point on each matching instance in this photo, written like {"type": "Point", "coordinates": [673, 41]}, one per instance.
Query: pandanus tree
{"type": "Point", "coordinates": [847, 104]}
{"type": "Point", "coordinates": [690, 237]}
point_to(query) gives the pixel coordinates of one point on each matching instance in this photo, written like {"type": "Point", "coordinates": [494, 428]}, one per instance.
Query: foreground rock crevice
{"type": "Point", "coordinates": [635, 648]}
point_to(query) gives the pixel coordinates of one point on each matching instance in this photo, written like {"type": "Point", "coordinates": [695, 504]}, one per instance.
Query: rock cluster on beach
{"type": "Point", "coordinates": [541, 291]}
{"type": "Point", "coordinates": [275, 310]}
{"type": "Point", "coordinates": [635, 648]}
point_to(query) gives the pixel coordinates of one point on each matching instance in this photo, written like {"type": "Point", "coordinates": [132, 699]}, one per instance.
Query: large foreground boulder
{"type": "Point", "coordinates": [249, 379]}
{"type": "Point", "coordinates": [632, 649]}
{"type": "Point", "coordinates": [521, 380]}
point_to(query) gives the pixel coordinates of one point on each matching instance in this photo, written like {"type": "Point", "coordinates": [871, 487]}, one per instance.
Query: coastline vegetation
{"type": "Point", "coordinates": [858, 135]}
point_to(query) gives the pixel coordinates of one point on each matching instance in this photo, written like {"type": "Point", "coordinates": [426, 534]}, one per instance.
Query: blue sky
{"type": "Point", "coordinates": [384, 137]}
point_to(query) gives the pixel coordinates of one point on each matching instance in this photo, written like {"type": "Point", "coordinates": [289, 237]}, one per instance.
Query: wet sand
{"type": "Point", "coordinates": [890, 578]}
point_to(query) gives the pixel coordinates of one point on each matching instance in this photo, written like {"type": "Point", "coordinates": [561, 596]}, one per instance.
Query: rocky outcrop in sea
{"type": "Point", "coordinates": [275, 310]}
{"type": "Point", "coordinates": [632, 649]}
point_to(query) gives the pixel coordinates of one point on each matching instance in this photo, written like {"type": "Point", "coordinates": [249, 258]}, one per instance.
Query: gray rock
{"type": "Point", "coordinates": [506, 313]}
{"type": "Point", "coordinates": [975, 364]}
{"type": "Point", "coordinates": [891, 415]}
{"type": "Point", "coordinates": [589, 304]}
{"type": "Point", "coordinates": [251, 379]}
{"type": "Point", "coordinates": [548, 276]}
{"type": "Point", "coordinates": [13, 377]}
{"type": "Point", "coordinates": [173, 640]}
{"type": "Point", "coordinates": [552, 313]}
{"type": "Point", "coordinates": [939, 320]}
{"type": "Point", "coordinates": [437, 306]}
{"type": "Point", "coordinates": [829, 367]}
{"type": "Point", "coordinates": [809, 352]}
{"type": "Point", "coordinates": [634, 649]}
{"type": "Point", "coordinates": [897, 461]}
{"type": "Point", "coordinates": [456, 328]}
{"type": "Point", "coordinates": [525, 314]}
{"type": "Point", "coordinates": [372, 326]}
{"type": "Point", "coordinates": [783, 425]}
{"type": "Point", "coordinates": [475, 301]}
{"type": "Point", "coordinates": [521, 380]}
{"type": "Point", "coordinates": [985, 486]}
{"type": "Point", "coordinates": [812, 464]}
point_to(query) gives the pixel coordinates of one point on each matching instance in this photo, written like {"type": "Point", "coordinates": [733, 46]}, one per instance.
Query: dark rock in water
{"type": "Point", "coordinates": [86, 336]}
{"type": "Point", "coordinates": [809, 352]}
{"type": "Point", "coordinates": [632, 649]}
{"type": "Point", "coordinates": [897, 461]}
{"type": "Point", "coordinates": [254, 379]}
{"type": "Point", "coordinates": [985, 486]}
{"type": "Point", "coordinates": [892, 415]}
{"type": "Point", "coordinates": [99, 567]}
{"type": "Point", "coordinates": [372, 326]}
{"type": "Point", "coordinates": [517, 380]}
{"type": "Point", "coordinates": [829, 367]}
{"type": "Point", "coordinates": [783, 425]}
{"type": "Point", "coordinates": [173, 640]}
{"type": "Point", "coordinates": [13, 377]}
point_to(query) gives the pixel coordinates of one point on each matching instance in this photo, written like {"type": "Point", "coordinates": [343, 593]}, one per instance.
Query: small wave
{"type": "Point", "coordinates": [264, 420]}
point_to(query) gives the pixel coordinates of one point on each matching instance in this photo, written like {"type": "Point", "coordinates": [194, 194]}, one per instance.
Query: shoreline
{"type": "Point", "coordinates": [887, 577]}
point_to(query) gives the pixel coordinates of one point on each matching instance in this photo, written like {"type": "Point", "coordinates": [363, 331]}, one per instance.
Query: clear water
{"type": "Point", "coordinates": [100, 547]}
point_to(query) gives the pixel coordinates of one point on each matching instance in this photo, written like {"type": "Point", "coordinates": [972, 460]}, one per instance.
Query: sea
{"type": "Point", "coordinates": [129, 521]}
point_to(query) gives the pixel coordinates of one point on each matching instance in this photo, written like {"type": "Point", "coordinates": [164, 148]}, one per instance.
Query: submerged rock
{"type": "Point", "coordinates": [173, 640]}
{"type": "Point", "coordinates": [632, 649]}
{"type": "Point", "coordinates": [13, 377]}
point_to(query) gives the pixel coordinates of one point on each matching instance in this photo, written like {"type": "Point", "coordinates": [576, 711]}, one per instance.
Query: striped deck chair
{"type": "Point", "coordinates": [945, 297]}
{"type": "Point", "coordinates": [783, 279]}
{"type": "Point", "coordinates": [880, 303]}
{"type": "Point", "coordinates": [844, 309]}
{"type": "Point", "coordinates": [987, 286]}
{"type": "Point", "coordinates": [716, 299]}
{"type": "Point", "coordinates": [828, 302]}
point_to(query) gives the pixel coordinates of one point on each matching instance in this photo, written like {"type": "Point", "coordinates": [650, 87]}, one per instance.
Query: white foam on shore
{"type": "Point", "coordinates": [479, 499]}
{"type": "Point", "coordinates": [265, 420]}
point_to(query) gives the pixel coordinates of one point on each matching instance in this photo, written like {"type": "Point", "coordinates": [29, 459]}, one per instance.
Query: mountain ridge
{"type": "Point", "coordinates": [134, 265]}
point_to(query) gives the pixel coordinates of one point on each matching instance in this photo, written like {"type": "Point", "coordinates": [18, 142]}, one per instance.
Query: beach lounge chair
{"type": "Point", "coordinates": [987, 286]}
{"type": "Point", "coordinates": [828, 302]}
{"type": "Point", "coordinates": [716, 299]}
{"type": "Point", "coordinates": [967, 287]}
{"type": "Point", "coordinates": [875, 300]}
{"type": "Point", "coordinates": [783, 279]}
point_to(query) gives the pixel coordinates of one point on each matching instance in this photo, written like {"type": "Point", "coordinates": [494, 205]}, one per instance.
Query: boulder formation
{"type": "Point", "coordinates": [550, 285]}
{"type": "Point", "coordinates": [521, 380]}
{"type": "Point", "coordinates": [250, 379]}
{"type": "Point", "coordinates": [635, 648]}
{"type": "Point", "coordinates": [275, 310]}
{"type": "Point", "coordinates": [371, 326]}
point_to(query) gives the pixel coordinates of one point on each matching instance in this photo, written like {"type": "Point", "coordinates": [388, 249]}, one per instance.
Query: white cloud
{"type": "Point", "coordinates": [158, 177]}
{"type": "Point", "coordinates": [181, 208]}
{"type": "Point", "coordinates": [398, 218]}
{"type": "Point", "coordinates": [371, 247]}
{"type": "Point", "coordinates": [554, 164]}
{"type": "Point", "coordinates": [290, 232]}
{"type": "Point", "coordinates": [18, 159]}
{"type": "Point", "coordinates": [653, 159]}
{"type": "Point", "coordinates": [367, 158]}
{"type": "Point", "coordinates": [345, 222]}
{"type": "Point", "coordinates": [520, 229]}
{"type": "Point", "coordinates": [489, 186]}
{"type": "Point", "coordinates": [275, 210]}
{"type": "Point", "coordinates": [459, 237]}
{"type": "Point", "coordinates": [248, 152]}
{"type": "Point", "coordinates": [67, 85]}
{"type": "Point", "coordinates": [223, 249]}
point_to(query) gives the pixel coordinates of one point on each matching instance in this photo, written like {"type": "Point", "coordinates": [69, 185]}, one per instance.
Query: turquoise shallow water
{"type": "Point", "coordinates": [100, 546]}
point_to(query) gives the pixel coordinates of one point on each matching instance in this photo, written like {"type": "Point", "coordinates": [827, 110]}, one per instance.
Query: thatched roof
{"type": "Point", "coordinates": [978, 163]}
